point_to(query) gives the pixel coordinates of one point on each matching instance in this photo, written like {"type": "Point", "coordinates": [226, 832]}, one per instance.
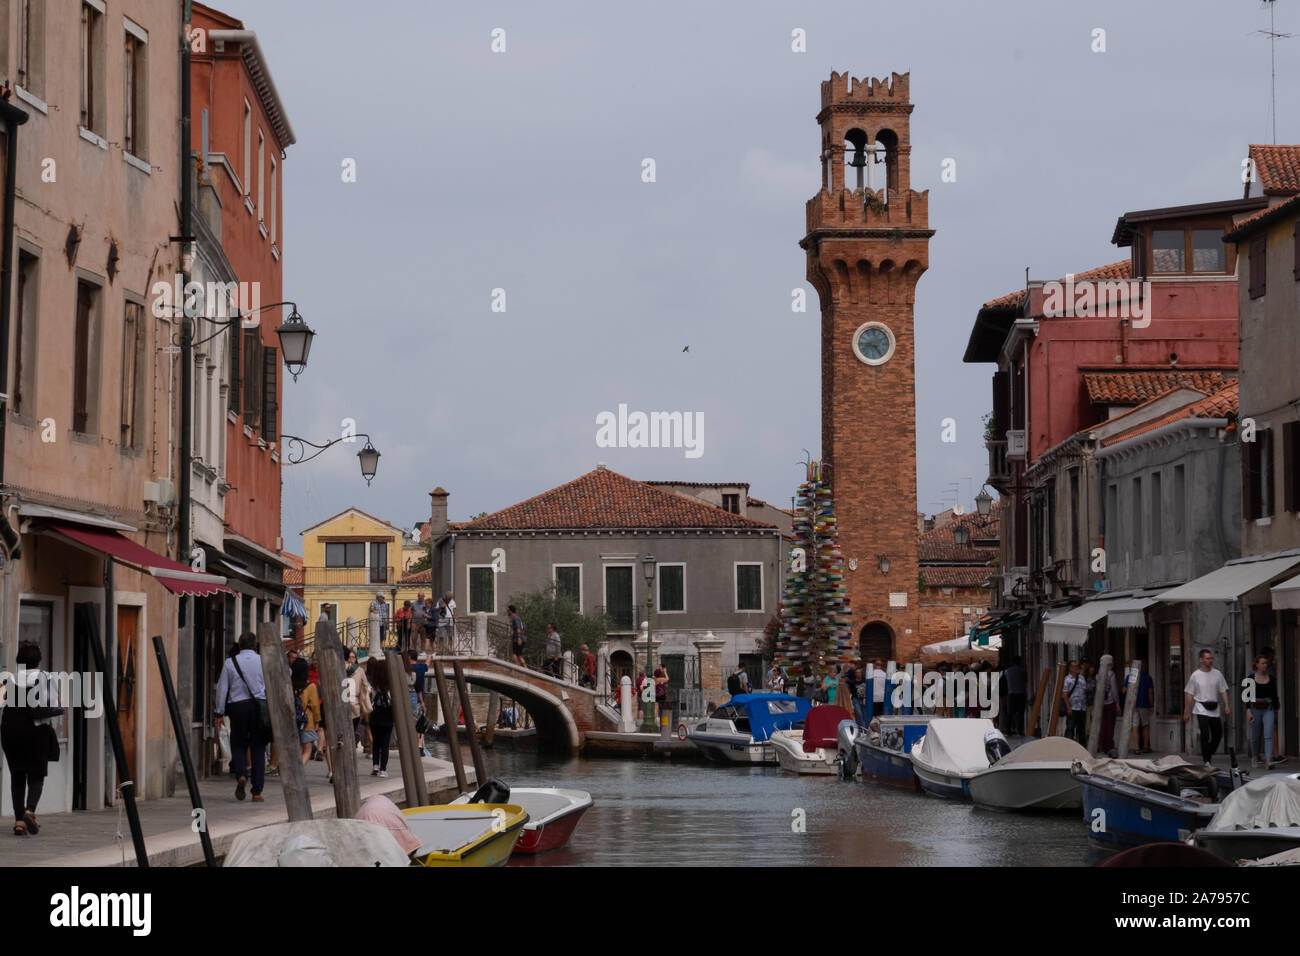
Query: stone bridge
{"type": "Point", "coordinates": [562, 711]}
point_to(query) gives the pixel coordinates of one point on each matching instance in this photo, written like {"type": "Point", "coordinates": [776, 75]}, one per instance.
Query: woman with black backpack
{"type": "Point", "coordinates": [27, 734]}
{"type": "Point", "coordinates": [381, 713]}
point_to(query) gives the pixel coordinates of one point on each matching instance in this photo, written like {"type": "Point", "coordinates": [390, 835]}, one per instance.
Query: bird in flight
{"type": "Point", "coordinates": [687, 349]}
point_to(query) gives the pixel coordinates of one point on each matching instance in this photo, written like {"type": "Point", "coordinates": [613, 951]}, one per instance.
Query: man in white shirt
{"type": "Point", "coordinates": [1205, 693]}
{"type": "Point", "coordinates": [446, 622]}
{"type": "Point", "coordinates": [379, 609]}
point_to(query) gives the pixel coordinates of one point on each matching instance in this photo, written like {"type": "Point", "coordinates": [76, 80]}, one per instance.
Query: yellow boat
{"type": "Point", "coordinates": [480, 834]}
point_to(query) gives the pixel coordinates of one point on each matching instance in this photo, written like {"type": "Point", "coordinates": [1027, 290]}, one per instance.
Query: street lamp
{"type": "Point", "coordinates": [297, 452]}
{"type": "Point", "coordinates": [295, 341]}
{"type": "Point", "coordinates": [648, 708]}
{"type": "Point", "coordinates": [983, 502]}
{"type": "Point", "coordinates": [883, 561]}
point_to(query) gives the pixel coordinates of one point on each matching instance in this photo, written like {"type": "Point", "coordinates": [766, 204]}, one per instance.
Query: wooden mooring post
{"type": "Point", "coordinates": [337, 708]}
{"type": "Point", "coordinates": [493, 715]}
{"type": "Point", "coordinates": [279, 700]}
{"type": "Point", "coordinates": [449, 722]}
{"type": "Point", "coordinates": [1038, 705]}
{"type": "Point", "coordinates": [471, 725]}
{"type": "Point", "coordinates": [1058, 687]}
{"type": "Point", "coordinates": [408, 747]}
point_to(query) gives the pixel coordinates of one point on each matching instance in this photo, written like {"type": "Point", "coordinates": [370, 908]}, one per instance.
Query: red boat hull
{"type": "Point", "coordinates": [550, 836]}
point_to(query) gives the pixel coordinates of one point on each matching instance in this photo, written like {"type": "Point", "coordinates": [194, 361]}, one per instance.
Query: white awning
{"type": "Point", "coordinates": [1072, 626]}
{"type": "Point", "coordinates": [1286, 596]}
{"type": "Point", "coordinates": [1129, 612]}
{"type": "Point", "coordinates": [1231, 581]}
{"type": "Point", "coordinates": [28, 510]}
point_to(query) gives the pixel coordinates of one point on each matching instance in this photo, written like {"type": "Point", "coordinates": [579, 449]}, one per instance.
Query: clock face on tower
{"type": "Point", "coordinates": [873, 343]}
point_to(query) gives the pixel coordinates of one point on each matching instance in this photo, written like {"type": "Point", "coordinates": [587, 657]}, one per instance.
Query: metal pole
{"type": "Point", "coordinates": [183, 745]}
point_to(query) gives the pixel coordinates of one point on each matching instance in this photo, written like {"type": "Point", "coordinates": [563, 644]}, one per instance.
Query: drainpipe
{"type": "Point", "coordinates": [187, 331]}
{"type": "Point", "coordinates": [12, 118]}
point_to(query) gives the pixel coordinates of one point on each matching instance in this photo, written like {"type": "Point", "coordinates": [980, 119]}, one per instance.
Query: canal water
{"type": "Point", "coordinates": [660, 813]}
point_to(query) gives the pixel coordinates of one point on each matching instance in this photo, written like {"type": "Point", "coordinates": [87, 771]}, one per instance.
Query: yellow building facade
{"type": "Point", "coordinates": [349, 559]}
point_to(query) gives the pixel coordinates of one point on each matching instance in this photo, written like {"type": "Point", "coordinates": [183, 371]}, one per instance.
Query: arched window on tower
{"type": "Point", "coordinates": [887, 144]}
{"type": "Point", "coordinates": [855, 159]}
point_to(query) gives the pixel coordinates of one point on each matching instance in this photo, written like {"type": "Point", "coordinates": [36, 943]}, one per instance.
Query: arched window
{"type": "Point", "coordinates": [887, 143]}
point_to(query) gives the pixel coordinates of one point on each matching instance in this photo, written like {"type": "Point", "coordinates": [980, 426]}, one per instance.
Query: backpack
{"type": "Point", "coordinates": [733, 685]}
{"type": "Point", "coordinates": [299, 712]}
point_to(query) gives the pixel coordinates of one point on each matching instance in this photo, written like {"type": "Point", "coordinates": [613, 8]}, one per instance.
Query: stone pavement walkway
{"type": "Point", "coordinates": [90, 838]}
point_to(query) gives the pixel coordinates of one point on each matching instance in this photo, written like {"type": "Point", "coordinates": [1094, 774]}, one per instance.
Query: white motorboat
{"type": "Point", "coordinates": [553, 814]}
{"type": "Point", "coordinates": [740, 731]}
{"type": "Point", "coordinates": [1034, 776]}
{"type": "Point", "coordinates": [953, 750]}
{"type": "Point", "coordinates": [1259, 819]}
{"type": "Point", "coordinates": [812, 748]}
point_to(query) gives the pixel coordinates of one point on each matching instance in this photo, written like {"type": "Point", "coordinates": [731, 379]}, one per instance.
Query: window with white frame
{"type": "Point", "coordinates": [482, 588]}
{"type": "Point", "coordinates": [274, 212]}
{"type": "Point", "coordinates": [248, 148]}
{"type": "Point", "coordinates": [749, 586]}
{"type": "Point", "coordinates": [672, 588]}
{"type": "Point", "coordinates": [568, 583]}
{"type": "Point", "coordinates": [261, 178]}
{"type": "Point", "coordinates": [135, 76]}
{"type": "Point", "coordinates": [92, 67]}
{"type": "Point", "coordinates": [31, 46]}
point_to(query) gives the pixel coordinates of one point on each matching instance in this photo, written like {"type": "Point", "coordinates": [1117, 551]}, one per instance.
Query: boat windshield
{"type": "Point", "coordinates": [736, 714]}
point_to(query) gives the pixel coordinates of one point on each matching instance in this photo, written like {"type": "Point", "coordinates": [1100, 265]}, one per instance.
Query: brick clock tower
{"type": "Point", "coordinates": [868, 243]}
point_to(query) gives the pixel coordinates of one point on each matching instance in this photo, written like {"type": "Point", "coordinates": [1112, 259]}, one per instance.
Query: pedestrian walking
{"type": "Point", "coordinates": [1261, 715]}
{"type": "Point", "coordinates": [29, 705]}
{"type": "Point", "coordinates": [831, 683]}
{"type": "Point", "coordinates": [419, 615]}
{"type": "Point", "coordinates": [661, 692]}
{"type": "Point", "coordinates": [878, 680]}
{"type": "Point", "coordinates": [1074, 703]}
{"type": "Point", "coordinates": [404, 626]}
{"type": "Point", "coordinates": [381, 714]}
{"type": "Point", "coordinates": [447, 623]}
{"type": "Point", "coordinates": [553, 663]}
{"type": "Point", "coordinates": [1205, 693]}
{"type": "Point", "coordinates": [588, 667]}
{"type": "Point", "coordinates": [358, 697]}
{"type": "Point", "coordinates": [241, 688]}
{"type": "Point", "coordinates": [517, 638]}
{"type": "Point", "coordinates": [306, 708]}
{"type": "Point", "coordinates": [1143, 706]}
{"type": "Point", "coordinates": [775, 682]}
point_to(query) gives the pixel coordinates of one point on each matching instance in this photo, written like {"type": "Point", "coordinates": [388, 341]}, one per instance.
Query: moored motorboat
{"type": "Point", "coordinates": [884, 749]}
{"type": "Point", "coordinates": [740, 730]}
{"type": "Point", "coordinates": [474, 834]}
{"type": "Point", "coordinates": [1127, 802]}
{"type": "Point", "coordinates": [553, 814]}
{"type": "Point", "coordinates": [1260, 819]}
{"type": "Point", "coordinates": [314, 843]}
{"type": "Point", "coordinates": [812, 748]}
{"type": "Point", "coordinates": [1034, 776]}
{"type": "Point", "coordinates": [953, 750]}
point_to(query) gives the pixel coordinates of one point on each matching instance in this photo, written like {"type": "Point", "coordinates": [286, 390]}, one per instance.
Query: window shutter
{"type": "Point", "coordinates": [1249, 468]}
{"type": "Point", "coordinates": [235, 368]}
{"type": "Point", "coordinates": [1295, 245]}
{"type": "Point", "coordinates": [1266, 469]}
{"type": "Point", "coordinates": [270, 368]}
{"type": "Point", "coordinates": [1258, 268]}
{"type": "Point", "coordinates": [252, 377]}
{"type": "Point", "coordinates": [1289, 430]}
{"type": "Point", "coordinates": [1001, 405]}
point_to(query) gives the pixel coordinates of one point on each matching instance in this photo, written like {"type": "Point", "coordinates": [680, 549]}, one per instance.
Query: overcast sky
{"type": "Point", "coordinates": [522, 171]}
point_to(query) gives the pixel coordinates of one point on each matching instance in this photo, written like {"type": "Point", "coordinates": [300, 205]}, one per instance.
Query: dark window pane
{"type": "Point", "coordinates": [1167, 250]}
{"type": "Point", "coordinates": [568, 583]}
{"type": "Point", "coordinates": [749, 590]}
{"type": "Point", "coordinates": [618, 598]}
{"type": "Point", "coordinates": [335, 556]}
{"type": "Point", "coordinates": [482, 591]}
{"type": "Point", "coordinates": [672, 587]}
{"type": "Point", "coordinates": [356, 551]}
{"type": "Point", "coordinates": [1207, 250]}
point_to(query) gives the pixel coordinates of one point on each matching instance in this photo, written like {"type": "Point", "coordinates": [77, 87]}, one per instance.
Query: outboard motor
{"type": "Point", "coordinates": [494, 791]}
{"type": "Point", "coordinates": [995, 746]}
{"type": "Point", "coordinates": [846, 754]}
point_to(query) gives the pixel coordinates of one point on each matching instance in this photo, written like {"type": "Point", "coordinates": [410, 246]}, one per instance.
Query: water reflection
{"type": "Point", "coordinates": [651, 812]}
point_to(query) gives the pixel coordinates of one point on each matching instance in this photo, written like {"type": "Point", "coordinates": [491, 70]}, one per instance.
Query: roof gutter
{"type": "Point", "coordinates": [251, 50]}
{"type": "Point", "coordinates": [1160, 432]}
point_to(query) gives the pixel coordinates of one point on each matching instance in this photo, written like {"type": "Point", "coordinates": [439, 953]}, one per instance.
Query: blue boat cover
{"type": "Point", "coordinates": [769, 712]}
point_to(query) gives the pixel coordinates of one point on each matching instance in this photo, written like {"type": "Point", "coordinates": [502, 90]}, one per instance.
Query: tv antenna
{"type": "Point", "coordinates": [1273, 37]}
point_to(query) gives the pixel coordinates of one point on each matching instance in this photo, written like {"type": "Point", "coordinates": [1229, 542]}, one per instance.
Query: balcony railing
{"type": "Point", "coordinates": [999, 469]}
{"type": "Point", "coordinates": [347, 577]}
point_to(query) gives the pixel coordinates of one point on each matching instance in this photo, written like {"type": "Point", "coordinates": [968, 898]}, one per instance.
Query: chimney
{"type": "Point", "coordinates": [437, 513]}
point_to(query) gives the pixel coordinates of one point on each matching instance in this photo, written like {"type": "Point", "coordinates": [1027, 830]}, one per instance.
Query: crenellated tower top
{"type": "Point", "coordinates": [866, 139]}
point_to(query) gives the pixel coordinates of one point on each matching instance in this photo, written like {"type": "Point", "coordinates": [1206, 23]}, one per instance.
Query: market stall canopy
{"type": "Point", "coordinates": [174, 576]}
{"type": "Point", "coordinates": [1286, 596]}
{"type": "Point", "coordinates": [1071, 626]}
{"type": "Point", "coordinates": [1231, 581]}
{"type": "Point", "coordinates": [292, 606]}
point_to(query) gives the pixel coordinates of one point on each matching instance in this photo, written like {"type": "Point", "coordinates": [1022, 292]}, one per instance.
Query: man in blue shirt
{"type": "Point", "coordinates": [238, 691]}
{"type": "Point", "coordinates": [1146, 699]}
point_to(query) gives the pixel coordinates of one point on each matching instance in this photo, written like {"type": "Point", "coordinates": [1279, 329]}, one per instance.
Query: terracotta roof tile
{"type": "Point", "coordinates": [958, 577]}
{"type": "Point", "coordinates": [1221, 404]}
{"type": "Point", "coordinates": [1116, 270]}
{"type": "Point", "coordinates": [1135, 387]}
{"type": "Point", "coordinates": [606, 499]}
{"type": "Point", "coordinates": [938, 544]}
{"type": "Point", "coordinates": [419, 577]}
{"type": "Point", "coordinates": [1245, 227]}
{"type": "Point", "coordinates": [1278, 168]}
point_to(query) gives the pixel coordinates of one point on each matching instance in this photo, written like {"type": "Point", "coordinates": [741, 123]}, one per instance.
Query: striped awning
{"type": "Point", "coordinates": [293, 606]}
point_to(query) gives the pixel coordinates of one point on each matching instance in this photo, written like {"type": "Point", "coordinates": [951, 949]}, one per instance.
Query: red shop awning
{"type": "Point", "coordinates": [172, 575]}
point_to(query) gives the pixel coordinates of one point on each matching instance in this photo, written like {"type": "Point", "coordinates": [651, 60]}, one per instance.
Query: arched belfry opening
{"type": "Point", "coordinates": [887, 153]}
{"type": "Point", "coordinates": [855, 160]}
